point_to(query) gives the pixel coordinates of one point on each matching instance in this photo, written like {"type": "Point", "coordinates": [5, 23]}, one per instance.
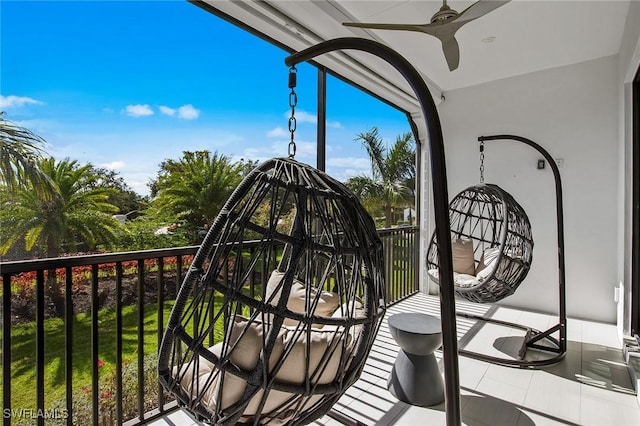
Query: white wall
{"type": "Point", "coordinates": [571, 111]}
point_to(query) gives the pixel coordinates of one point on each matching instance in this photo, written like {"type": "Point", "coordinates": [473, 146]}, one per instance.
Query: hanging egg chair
{"type": "Point", "coordinates": [281, 305]}
{"type": "Point", "coordinates": [491, 244]}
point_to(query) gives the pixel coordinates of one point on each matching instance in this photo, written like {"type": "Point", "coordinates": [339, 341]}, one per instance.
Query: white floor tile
{"type": "Point", "coordinates": [536, 418]}
{"type": "Point", "coordinates": [175, 418]}
{"type": "Point", "coordinates": [471, 372]}
{"type": "Point", "coordinates": [489, 410]}
{"type": "Point", "coordinates": [421, 416]}
{"type": "Point", "coordinates": [536, 320]}
{"type": "Point", "coordinates": [602, 412]}
{"type": "Point", "coordinates": [590, 386]}
{"type": "Point", "coordinates": [624, 397]}
{"type": "Point", "coordinates": [502, 391]}
{"type": "Point", "coordinates": [555, 396]}
{"type": "Point", "coordinates": [507, 314]}
{"type": "Point", "coordinates": [520, 378]}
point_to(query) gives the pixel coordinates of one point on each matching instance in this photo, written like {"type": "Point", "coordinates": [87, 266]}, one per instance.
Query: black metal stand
{"type": "Point", "coordinates": [440, 197]}
{"type": "Point", "coordinates": [533, 337]}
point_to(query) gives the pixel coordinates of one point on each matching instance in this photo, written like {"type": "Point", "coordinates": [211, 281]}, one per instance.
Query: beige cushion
{"type": "Point", "coordinates": [465, 280]}
{"type": "Point", "coordinates": [248, 340]}
{"type": "Point", "coordinates": [463, 262]}
{"type": "Point", "coordinates": [352, 309]}
{"type": "Point", "coordinates": [487, 263]}
{"type": "Point", "coordinates": [326, 305]}
{"type": "Point", "coordinates": [206, 378]}
{"type": "Point", "coordinates": [294, 368]}
{"type": "Point", "coordinates": [459, 280]}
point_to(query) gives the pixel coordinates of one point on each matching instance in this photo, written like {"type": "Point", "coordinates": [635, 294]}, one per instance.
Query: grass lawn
{"type": "Point", "coordinates": [23, 393]}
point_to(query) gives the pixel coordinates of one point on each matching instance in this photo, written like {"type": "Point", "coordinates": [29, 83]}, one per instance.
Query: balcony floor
{"type": "Point", "coordinates": [590, 386]}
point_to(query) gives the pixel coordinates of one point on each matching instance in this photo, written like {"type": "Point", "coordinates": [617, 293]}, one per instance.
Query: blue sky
{"type": "Point", "coordinates": [128, 84]}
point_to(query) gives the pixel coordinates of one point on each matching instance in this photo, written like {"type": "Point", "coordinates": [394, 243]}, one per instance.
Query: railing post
{"type": "Point", "coordinates": [160, 321]}
{"type": "Point", "coordinates": [94, 344]}
{"type": "Point", "coordinates": [6, 346]}
{"type": "Point", "coordinates": [119, 396]}
{"type": "Point", "coordinates": [141, 340]}
{"type": "Point", "coordinates": [40, 345]}
{"type": "Point", "coordinates": [68, 353]}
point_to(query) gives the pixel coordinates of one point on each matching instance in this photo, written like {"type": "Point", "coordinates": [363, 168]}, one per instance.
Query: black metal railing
{"type": "Point", "coordinates": [114, 306]}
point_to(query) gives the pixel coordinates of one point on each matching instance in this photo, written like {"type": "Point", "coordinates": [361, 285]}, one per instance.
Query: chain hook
{"type": "Point", "coordinates": [293, 101]}
{"type": "Point", "coordinates": [481, 161]}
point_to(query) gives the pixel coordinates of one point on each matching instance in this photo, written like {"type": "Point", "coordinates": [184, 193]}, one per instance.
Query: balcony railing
{"type": "Point", "coordinates": [94, 350]}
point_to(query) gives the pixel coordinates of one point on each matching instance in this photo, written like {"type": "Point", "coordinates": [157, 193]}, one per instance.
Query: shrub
{"type": "Point", "coordinates": [82, 399]}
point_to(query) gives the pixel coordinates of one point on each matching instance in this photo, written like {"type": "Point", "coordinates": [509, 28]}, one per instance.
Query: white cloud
{"type": "Point", "coordinates": [17, 101]}
{"type": "Point", "coordinates": [277, 132]}
{"type": "Point", "coordinates": [114, 165]}
{"type": "Point", "coordinates": [304, 151]}
{"type": "Point", "coordinates": [307, 117]}
{"type": "Point", "coordinates": [303, 116]}
{"type": "Point", "coordinates": [357, 163]}
{"type": "Point", "coordinates": [39, 126]}
{"type": "Point", "coordinates": [138, 110]}
{"type": "Point", "coordinates": [188, 112]}
{"type": "Point", "coordinates": [167, 111]}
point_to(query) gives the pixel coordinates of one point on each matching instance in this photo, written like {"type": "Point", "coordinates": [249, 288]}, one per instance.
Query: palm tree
{"type": "Point", "coordinates": [80, 215]}
{"type": "Point", "coordinates": [392, 172]}
{"type": "Point", "coordinates": [194, 189]}
{"type": "Point", "coordinates": [20, 150]}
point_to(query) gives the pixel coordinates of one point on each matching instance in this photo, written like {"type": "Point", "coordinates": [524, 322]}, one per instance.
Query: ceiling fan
{"type": "Point", "coordinates": [443, 25]}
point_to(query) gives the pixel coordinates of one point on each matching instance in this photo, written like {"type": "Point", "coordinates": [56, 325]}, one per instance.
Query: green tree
{"type": "Point", "coordinates": [121, 196]}
{"type": "Point", "coordinates": [194, 189]}
{"type": "Point", "coordinates": [80, 217]}
{"type": "Point", "coordinates": [391, 183]}
{"type": "Point", "coordinates": [20, 151]}
{"type": "Point", "coordinates": [148, 231]}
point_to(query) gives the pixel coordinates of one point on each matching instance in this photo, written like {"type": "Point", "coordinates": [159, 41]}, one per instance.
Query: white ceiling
{"type": "Point", "coordinates": [530, 35]}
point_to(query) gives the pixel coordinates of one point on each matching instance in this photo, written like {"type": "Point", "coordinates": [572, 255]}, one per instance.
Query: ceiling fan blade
{"type": "Point", "coordinates": [478, 9]}
{"type": "Point", "coordinates": [451, 52]}
{"type": "Point", "coordinates": [402, 27]}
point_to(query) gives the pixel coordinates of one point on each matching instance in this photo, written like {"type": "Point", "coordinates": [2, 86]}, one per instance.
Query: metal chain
{"type": "Point", "coordinates": [481, 162]}
{"type": "Point", "coordinates": [293, 101]}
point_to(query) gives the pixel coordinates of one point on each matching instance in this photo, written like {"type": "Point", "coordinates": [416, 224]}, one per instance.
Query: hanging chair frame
{"type": "Point", "coordinates": [533, 338]}
{"type": "Point", "coordinates": [435, 140]}
{"type": "Point", "coordinates": [275, 183]}
{"type": "Point", "coordinates": [490, 217]}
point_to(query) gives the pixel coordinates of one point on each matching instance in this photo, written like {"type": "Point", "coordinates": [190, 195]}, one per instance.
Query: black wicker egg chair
{"type": "Point", "coordinates": [281, 305]}
{"type": "Point", "coordinates": [491, 244]}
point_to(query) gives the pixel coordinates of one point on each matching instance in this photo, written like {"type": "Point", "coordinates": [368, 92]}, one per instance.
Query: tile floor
{"type": "Point", "coordinates": [590, 386]}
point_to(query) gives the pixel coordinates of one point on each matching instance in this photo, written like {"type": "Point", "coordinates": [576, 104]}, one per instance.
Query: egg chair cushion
{"type": "Point", "coordinates": [197, 377]}
{"type": "Point", "coordinates": [304, 351]}
{"type": "Point", "coordinates": [463, 262]}
{"type": "Point", "coordinates": [487, 263]}
{"type": "Point", "coordinates": [460, 280]}
{"type": "Point", "coordinates": [325, 302]}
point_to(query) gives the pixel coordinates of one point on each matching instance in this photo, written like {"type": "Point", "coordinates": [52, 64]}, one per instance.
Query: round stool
{"type": "Point", "coordinates": [415, 377]}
